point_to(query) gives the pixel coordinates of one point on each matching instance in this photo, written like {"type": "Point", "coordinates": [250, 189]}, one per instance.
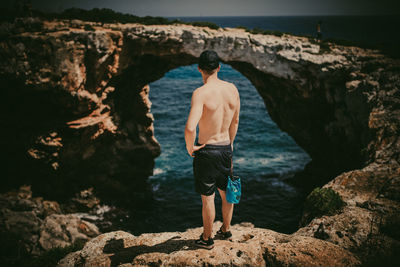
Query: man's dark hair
{"type": "Point", "coordinates": [208, 61]}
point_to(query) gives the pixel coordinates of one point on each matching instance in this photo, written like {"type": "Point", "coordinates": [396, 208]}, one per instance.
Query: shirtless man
{"type": "Point", "coordinates": [215, 108]}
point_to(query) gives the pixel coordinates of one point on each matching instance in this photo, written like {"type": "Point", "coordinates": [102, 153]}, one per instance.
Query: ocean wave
{"type": "Point", "coordinates": [98, 213]}
{"type": "Point", "coordinates": [257, 161]}
{"type": "Point", "coordinates": [158, 171]}
{"type": "Point", "coordinates": [156, 187]}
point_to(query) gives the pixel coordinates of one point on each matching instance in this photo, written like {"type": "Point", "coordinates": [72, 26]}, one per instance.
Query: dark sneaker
{"type": "Point", "coordinates": [207, 244]}
{"type": "Point", "coordinates": [224, 235]}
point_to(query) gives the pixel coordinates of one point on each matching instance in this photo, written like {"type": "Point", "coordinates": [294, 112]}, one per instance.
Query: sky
{"type": "Point", "coordinates": [167, 8]}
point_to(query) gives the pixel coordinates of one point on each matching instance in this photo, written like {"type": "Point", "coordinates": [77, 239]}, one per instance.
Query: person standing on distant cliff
{"type": "Point", "coordinates": [215, 108]}
{"type": "Point", "coordinates": [319, 33]}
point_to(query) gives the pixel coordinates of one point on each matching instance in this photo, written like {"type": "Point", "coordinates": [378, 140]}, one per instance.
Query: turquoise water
{"type": "Point", "coordinates": [263, 156]}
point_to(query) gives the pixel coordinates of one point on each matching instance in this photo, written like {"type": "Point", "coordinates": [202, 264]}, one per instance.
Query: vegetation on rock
{"type": "Point", "coordinates": [322, 201]}
{"type": "Point", "coordinates": [102, 15]}
{"type": "Point", "coordinates": [261, 31]}
{"type": "Point", "coordinates": [200, 24]}
{"type": "Point", "coordinates": [88, 27]}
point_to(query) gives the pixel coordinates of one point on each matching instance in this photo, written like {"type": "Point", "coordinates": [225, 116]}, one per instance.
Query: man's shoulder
{"type": "Point", "coordinates": [206, 88]}
{"type": "Point", "coordinates": [198, 90]}
{"type": "Point", "coordinates": [234, 88]}
{"type": "Point", "coordinates": [229, 83]}
{"type": "Point", "coordinates": [198, 94]}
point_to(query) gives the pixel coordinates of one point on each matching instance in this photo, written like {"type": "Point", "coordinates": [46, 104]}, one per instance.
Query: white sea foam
{"type": "Point", "coordinates": [87, 216]}
{"type": "Point", "coordinates": [103, 209]}
{"type": "Point", "coordinates": [264, 161]}
{"type": "Point", "coordinates": [158, 171]}
{"type": "Point", "coordinates": [156, 187]}
{"type": "Point", "coordinates": [239, 160]}
{"type": "Point", "coordinates": [99, 213]}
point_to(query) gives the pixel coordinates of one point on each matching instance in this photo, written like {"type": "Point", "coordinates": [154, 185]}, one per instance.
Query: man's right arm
{"type": "Point", "coordinates": [235, 122]}
{"type": "Point", "coordinates": [195, 114]}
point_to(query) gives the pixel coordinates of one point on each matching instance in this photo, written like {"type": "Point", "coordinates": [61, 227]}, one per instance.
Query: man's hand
{"type": "Point", "coordinates": [195, 148]}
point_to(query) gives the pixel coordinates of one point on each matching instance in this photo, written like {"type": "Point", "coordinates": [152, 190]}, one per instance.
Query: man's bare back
{"type": "Point", "coordinates": [215, 107]}
{"type": "Point", "coordinates": [220, 102]}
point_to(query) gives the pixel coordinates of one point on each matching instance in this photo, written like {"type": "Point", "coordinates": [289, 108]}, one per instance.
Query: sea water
{"type": "Point", "coordinates": [263, 156]}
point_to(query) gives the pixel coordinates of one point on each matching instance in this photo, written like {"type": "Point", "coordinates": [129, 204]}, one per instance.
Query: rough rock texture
{"type": "Point", "coordinates": [38, 224]}
{"type": "Point", "coordinates": [63, 115]}
{"type": "Point", "coordinates": [369, 224]}
{"type": "Point", "coordinates": [249, 246]}
{"type": "Point", "coordinates": [83, 95]}
{"type": "Point", "coordinates": [59, 230]}
{"type": "Point", "coordinates": [77, 98]}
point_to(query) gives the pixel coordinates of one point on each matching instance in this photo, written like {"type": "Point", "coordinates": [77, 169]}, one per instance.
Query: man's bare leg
{"type": "Point", "coordinates": [208, 212]}
{"type": "Point", "coordinates": [227, 211]}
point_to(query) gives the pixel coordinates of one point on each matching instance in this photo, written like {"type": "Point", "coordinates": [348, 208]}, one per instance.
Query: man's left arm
{"type": "Point", "coordinates": [196, 111]}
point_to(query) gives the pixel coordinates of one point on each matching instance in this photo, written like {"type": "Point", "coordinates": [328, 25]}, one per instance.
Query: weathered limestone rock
{"type": "Point", "coordinates": [368, 224]}
{"type": "Point", "coordinates": [38, 224]}
{"type": "Point", "coordinates": [339, 104]}
{"type": "Point", "coordinates": [80, 97]}
{"type": "Point", "coordinates": [25, 225]}
{"type": "Point", "coordinates": [249, 246]}
{"type": "Point", "coordinates": [83, 201]}
{"type": "Point", "coordinates": [60, 230]}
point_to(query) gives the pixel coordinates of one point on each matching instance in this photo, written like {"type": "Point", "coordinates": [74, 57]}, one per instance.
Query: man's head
{"type": "Point", "coordinates": [208, 61]}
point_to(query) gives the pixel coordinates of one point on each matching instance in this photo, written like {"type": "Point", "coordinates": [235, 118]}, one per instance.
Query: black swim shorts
{"type": "Point", "coordinates": [211, 168]}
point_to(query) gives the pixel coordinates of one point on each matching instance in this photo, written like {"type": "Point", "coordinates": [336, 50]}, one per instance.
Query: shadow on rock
{"type": "Point", "coordinates": [123, 255]}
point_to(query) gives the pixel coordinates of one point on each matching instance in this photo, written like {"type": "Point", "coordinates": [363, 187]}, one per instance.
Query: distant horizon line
{"type": "Point", "coordinates": [329, 15]}
{"type": "Point", "coordinates": [185, 16]}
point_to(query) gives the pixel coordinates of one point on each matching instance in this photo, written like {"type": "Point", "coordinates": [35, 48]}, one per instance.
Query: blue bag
{"type": "Point", "coordinates": [233, 190]}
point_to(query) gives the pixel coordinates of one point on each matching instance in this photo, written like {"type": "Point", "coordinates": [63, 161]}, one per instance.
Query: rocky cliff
{"type": "Point", "coordinates": [248, 246]}
{"type": "Point", "coordinates": [76, 112]}
{"type": "Point", "coordinates": [30, 226]}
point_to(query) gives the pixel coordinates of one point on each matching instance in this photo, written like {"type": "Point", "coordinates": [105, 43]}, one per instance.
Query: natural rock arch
{"type": "Point", "coordinates": [98, 80]}
{"type": "Point", "coordinates": [298, 95]}
{"type": "Point", "coordinates": [322, 99]}
{"type": "Point", "coordinates": [87, 119]}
